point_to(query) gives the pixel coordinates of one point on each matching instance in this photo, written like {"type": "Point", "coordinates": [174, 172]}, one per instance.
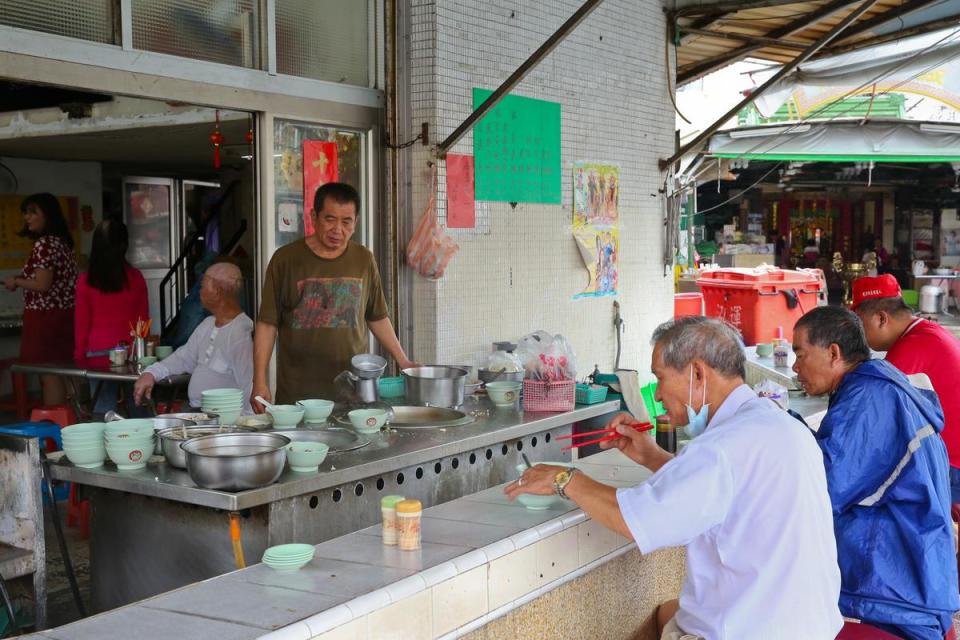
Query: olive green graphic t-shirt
{"type": "Point", "coordinates": [321, 309]}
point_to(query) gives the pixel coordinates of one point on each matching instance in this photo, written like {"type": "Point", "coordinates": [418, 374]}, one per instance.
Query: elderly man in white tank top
{"type": "Point", "coordinates": [747, 497]}
{"type": "Point", "coordinates": [219, 352]}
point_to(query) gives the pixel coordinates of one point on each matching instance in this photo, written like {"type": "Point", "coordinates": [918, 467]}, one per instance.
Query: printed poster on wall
{"type": "Point", "coordinates": [596, 225]}
{"type": "Point", "coordinates": [516, 149]}
{"type": "Point", "coordinates": [14, 248]}
{"type": "Point", "coordinates": [319, 168]}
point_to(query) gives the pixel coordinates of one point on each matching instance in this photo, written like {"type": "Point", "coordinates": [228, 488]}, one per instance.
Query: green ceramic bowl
{"type": "Point", "coordinates": [503, 393]}
{"type": "Point", "coordinates": [146, 361]}
{"type": "Point", "coordinates": [539, 503]}
{"type": "Point", "coordinates": [367, 421]}
{"type": "Point", "coordinates": [316, 410]}
{"type": "Point", "coordinates": [306, 457]}
{"type": "Point", "coordinates": [287, 558]}
{"type": "Point", "coordinates": [163, 351]}
{"type": "Point", "coordinates": [765, 349]}
{"type": "Point", "coordinates": [86, 456]}
{"type": "Point", "coordinates": [286, 415]}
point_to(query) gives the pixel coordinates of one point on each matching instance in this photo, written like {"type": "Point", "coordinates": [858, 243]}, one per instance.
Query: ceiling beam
{"type": "Point", "coordinates": [882, 18]}
{"type": "Point", "coordinates": [728, 7]}
{"type": "Point", "coordinates": [742, 37]}
{"type": "Point", "coordinates": [916, 30]}
{"type": "Point", "coordinates": [700, 69]}
{"type": "Point", "coordinates": [802, 57]}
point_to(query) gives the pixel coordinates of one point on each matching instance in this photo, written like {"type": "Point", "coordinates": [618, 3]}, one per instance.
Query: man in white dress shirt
{"type": "Point", "coordinates": [747, 497]}
{"type": "Point", "coordinates": [219, 352]}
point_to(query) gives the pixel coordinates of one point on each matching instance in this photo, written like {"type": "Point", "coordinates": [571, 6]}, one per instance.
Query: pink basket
{"type": "Point", "coordinates": [549, 396]}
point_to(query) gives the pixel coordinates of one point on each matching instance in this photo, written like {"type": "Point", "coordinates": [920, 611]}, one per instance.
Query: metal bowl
{"type": "Point", "coordinates": [499, 376]}
{"type": "Point", "coordinates": [163, 422]}
{"type": "Point", "coordinates": [434, 385]}
{"type": "Point", "coordinates": [235, 461]}
{"type": "Point", "coordinates": [171, 438]}
{"type": "Point", "coordinates": [196, 417]}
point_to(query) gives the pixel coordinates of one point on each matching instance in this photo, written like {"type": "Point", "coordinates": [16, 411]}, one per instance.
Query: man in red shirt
{"type": "Point", "coordinates": [914, 345]}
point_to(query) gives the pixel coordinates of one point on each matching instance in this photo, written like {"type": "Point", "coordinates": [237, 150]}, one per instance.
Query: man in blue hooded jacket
{"type": "Point", "coordinates": [887, 474]}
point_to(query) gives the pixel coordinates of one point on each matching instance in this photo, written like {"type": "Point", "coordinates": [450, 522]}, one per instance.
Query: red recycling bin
{"type": "Point", "coordinates": [758, 301]}
{"type": "Point", "coordinates": [687, 304]}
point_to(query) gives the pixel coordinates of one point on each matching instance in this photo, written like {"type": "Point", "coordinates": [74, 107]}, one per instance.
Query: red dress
{"type": "Point", "coordinates": [104, 319]}
{"type": "Point", "coordinates": [48, 315]}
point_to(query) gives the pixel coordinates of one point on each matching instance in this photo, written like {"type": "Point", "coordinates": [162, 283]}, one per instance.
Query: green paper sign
{"type": "Point", "coordinates": [516, 150]}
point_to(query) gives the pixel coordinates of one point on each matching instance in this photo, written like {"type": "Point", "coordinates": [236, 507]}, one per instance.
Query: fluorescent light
{"type": "Point", "coordinates": [768, 131]}
{"type": "Point", "coordinates": [940, 128]}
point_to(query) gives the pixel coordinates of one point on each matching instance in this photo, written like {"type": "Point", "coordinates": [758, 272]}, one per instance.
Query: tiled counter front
{"type": "Point", "coordinates": [488, 568]}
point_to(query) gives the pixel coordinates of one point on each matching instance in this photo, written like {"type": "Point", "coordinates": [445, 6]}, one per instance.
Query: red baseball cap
{"type": "Point", "coordinates": [873, 287]}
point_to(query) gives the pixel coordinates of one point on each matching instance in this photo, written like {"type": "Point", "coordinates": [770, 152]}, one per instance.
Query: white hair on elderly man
{"type": "Point", "coordinates": [227, 276]}
{"type": "Point", "coordinates": [712, 340]}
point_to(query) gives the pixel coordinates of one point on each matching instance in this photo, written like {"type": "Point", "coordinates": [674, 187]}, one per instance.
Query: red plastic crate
{"type": "Point", "coordinates": [549, 396]}
{"type": "Point", "coordinates": [758, 301]}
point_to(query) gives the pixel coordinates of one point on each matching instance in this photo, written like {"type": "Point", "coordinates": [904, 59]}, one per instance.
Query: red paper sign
{"type": "Point", "coordinates": [461, 213]}
{"type": "Point", "coordinates": [319, 168]}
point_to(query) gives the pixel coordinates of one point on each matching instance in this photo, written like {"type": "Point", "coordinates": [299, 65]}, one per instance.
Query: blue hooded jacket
{"type": "Point", "coordinates": [887, 474]}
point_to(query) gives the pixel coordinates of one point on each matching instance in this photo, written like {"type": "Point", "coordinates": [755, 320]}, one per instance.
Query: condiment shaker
{"type": "Point", "coordinates": [388, 508]}
{"type": "Point", "coordinates": [408, 519]}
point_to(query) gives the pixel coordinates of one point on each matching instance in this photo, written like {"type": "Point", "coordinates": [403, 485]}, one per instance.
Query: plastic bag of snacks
{"type": "Point", "coordinates": [504, 361]}
{"type": "Point", "coordinates": [546, 357]}
{"type": "Point", "coordinates": [430, 249]}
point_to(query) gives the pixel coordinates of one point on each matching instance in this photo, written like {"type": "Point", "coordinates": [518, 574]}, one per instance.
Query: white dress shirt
{"type": "Point", "coordinates": [215, 357]}
{"type": "Point", "coordinates": [748, 498]}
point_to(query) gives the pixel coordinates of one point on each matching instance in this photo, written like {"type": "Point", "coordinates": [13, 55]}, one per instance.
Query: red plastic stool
{"type": "Point", "coordinates": [78, 512]}
{"type": "Point", "coordinates": [18, 402]}
{"type": "Point", "coordinates": [62, 414]}
{"type": "Point", "coordinates": [861, 631]}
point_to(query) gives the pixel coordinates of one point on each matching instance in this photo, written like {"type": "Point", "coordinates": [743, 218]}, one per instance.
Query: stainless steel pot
{"type": "Point", "coordinates": [930, 299]}
{"type": "Point", "coordinates": [160, 423]}
{"type": "Point", "coordinates": [235, 461]}
{"type": "Point", "coordinates": [434, 385]}
{"type": "Point", "coordinates": [171, 438]}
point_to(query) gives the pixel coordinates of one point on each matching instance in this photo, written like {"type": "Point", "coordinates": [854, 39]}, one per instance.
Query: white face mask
{"type": "Point", "coordinates": [696, 420]}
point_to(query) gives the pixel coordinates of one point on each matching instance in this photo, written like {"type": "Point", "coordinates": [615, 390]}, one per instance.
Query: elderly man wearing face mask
{"type": "Point", "coordinates": [747, 496]}
{"type": "Point", "coordinates": [887, 476]}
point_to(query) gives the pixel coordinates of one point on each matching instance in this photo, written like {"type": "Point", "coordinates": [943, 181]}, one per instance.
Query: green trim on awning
{"type": "Point", "coordinates": [827, 157]}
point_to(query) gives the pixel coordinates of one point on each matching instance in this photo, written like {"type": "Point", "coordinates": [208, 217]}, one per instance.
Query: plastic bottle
{"type": "Point", "coordinates": [388, 509]}
{"type": "Point", "coordinates": [408, 517]}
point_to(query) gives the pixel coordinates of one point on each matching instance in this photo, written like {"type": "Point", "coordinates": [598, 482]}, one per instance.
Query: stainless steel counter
{"type": "Point", "coordinates": [153, 530]}
{"type": "Point", "coordinates": [386, 453]}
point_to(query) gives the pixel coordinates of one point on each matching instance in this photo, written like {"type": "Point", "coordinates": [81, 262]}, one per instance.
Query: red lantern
{"type": "Point", "coordinates": [216, 138]}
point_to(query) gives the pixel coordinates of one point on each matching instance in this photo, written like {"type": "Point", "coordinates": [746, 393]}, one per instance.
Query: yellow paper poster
{"type": "Point", "coordinates": [596, 217]}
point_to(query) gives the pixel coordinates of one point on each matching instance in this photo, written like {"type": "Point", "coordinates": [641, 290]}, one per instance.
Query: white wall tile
{"type": "Point", "coordinates": [408, 619]}
{"type": "Point", "coordinates": [595, 541]}
{"type": "Point", "coordinates": [511, 576]}
{"type": "Point", "coordinates": [354, 630]}
{"type": "Point", "coordinates": [460, 600]}
{"type": "Point", "coordinates": [557, 556]}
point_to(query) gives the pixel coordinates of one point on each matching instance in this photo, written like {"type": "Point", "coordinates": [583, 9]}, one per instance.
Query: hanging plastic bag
{"type": "Point", "coordinates": [430, 249]}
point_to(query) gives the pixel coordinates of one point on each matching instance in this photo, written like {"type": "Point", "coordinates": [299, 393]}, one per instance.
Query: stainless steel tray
{"type": "Point", "coordinates": [336, 438]}
{"type": "Point", "coordinates": [422, 418]}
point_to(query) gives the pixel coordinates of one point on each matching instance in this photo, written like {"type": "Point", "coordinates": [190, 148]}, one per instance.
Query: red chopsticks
{"type": "Point", "coordinates": [611, 435]}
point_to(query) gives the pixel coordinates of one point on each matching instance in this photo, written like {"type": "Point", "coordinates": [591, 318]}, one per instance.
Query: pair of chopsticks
{"type": "Point", "coordinates": [611, 434]}
{"type": "Point", "coordinates": [142, 330]}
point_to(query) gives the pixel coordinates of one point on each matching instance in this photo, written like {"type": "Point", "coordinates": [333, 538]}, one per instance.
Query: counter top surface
{"type": "Point", "coordinates": [388, 451]}
{"type": "Point", "coordinates": [356, 574]}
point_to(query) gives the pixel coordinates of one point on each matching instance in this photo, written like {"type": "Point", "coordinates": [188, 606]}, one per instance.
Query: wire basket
{"type": "Point", "coordinates": [549, 396]}
{"type": "Point", "coordinates": [391, 387]}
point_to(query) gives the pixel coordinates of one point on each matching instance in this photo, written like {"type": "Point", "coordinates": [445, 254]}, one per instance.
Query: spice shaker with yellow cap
{"type": "Point", "coordinates": [408, 519]}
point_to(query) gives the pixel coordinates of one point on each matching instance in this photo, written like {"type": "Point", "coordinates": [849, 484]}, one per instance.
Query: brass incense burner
{"type": "Point", "coordinates": [850, 271]}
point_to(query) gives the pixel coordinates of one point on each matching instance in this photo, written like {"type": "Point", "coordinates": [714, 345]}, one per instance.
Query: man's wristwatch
{"type": "Point", "coordinates": [562, 479]}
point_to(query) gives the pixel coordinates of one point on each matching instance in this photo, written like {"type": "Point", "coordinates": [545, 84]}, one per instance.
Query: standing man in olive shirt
{"type": "Point", "coordinates": [320, 296]}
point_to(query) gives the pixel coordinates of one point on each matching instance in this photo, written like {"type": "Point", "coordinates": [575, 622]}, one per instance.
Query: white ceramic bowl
{"type": "Point", "coordinates": [316, 410]}
{"type": "Point", "coordinates": [286, 415]}
{"type": "Point", "coordinates": [368, 421]}
{"type": "Point", "coordinates": [306, 457]}
{"type": "Point", "coordinates": [86, 457]}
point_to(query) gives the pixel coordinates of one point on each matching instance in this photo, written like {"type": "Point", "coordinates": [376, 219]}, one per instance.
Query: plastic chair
{"type": "Point", "coordinates": [61, 414]}
{"type": "Point", "coordinates": [49, 436]}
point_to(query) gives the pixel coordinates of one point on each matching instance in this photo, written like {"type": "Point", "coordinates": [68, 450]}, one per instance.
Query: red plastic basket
{"type": "Point", "coordinates": [549, 396]}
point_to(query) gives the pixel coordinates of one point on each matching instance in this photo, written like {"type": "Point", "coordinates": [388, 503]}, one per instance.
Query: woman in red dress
{"type": "Point", "coordinates": [48, 280]}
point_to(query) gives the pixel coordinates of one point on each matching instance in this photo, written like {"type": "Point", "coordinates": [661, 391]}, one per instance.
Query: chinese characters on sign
{"type": "Point", "coordinates": [461, 213]}
{"type": "Point", "coordinates": [596, 219]}
{"type": "Point", "coordinates": [517, 150]}
{"type": "Point", "coordinates": [319, 168]}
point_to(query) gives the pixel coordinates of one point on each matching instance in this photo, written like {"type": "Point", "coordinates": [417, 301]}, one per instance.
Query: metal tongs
{"type": "Point", "coordinates": [610, 434]}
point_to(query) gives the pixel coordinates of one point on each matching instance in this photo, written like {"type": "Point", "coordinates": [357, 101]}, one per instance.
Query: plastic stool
{"type": "Point", "coordinates": [861, 631]}
{"type": "Point", "coordinates": [48, 434]}
{"type": "Point", "coordinates": [61, 414]}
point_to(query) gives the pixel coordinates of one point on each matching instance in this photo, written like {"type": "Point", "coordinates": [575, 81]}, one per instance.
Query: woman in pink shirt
{"type": "Point", "coordinates": [110, 295]}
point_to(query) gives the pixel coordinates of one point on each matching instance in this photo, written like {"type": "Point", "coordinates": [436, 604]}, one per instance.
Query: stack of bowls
{"type": "Point", "coordinates": [285, 415]}
{"type": "Point", "coordinates": [316, 411]}
{"type": "Point", "coordinates": [286, 558]}
{"type": "Point", "coordinates": [129, 443]}
{"type": "Point", "coordinates": [306, 457]}
{"type": "Point", "coordinates": [227, 403]}
{"type": "Point", "coordinates": [83, 444]}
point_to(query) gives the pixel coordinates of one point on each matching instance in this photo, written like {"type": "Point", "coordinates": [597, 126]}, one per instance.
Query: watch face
{"type": "Point", "coordinates": [562, 477]}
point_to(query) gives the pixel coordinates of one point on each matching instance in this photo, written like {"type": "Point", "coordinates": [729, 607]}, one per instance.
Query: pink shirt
{"type": "Point", "coordinates": [103, 319]}
{"type": "Point", "coordinates": [926, 347]}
